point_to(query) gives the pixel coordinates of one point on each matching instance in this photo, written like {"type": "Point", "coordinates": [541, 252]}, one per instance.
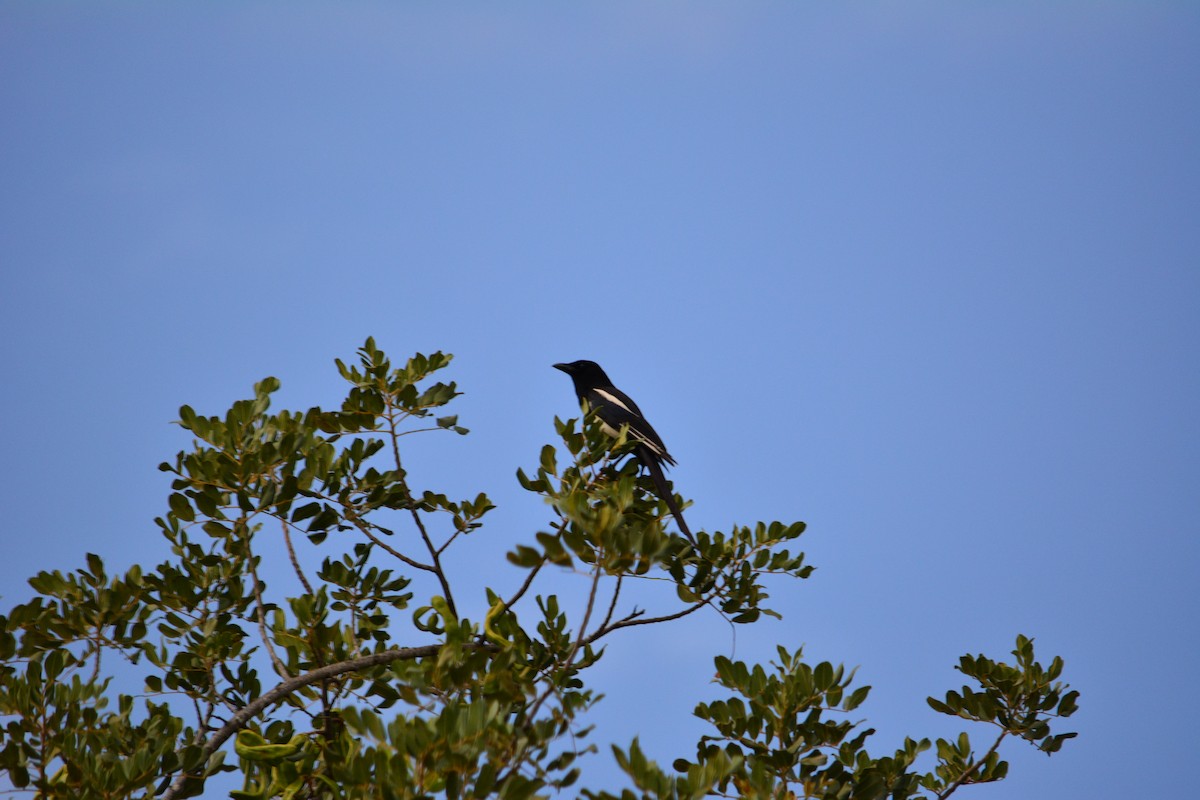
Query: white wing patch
{"type": "Point", "coordinates": [611, 431]}
{"type": "Point", "coordinates": [616, 401]}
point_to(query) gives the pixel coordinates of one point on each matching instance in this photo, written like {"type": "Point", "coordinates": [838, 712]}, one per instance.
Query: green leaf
{"type": "Point", "coordinates": [549, 460]}
{"type": "Point", "coordinates": [1069, 704]}
{"type": "Point", "coordinates": [180, 507]}
{"type": "Point", "coordinates": [859, 695]}
{"type": "Point", "coordinates": [939, 706]}
{"type": "Point", "coordinates": [253, 747]}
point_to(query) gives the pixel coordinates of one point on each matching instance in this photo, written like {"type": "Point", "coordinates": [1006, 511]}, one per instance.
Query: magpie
{"type": "Point", "coordinates": [615, 409]}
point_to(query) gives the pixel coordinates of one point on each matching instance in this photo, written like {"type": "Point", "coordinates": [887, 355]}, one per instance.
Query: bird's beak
{"type": "Point", "coordinates": [564, 367]}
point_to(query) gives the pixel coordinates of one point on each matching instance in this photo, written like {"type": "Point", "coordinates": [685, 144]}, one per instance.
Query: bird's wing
{"type": "Point", "coordinates": [615, 408]}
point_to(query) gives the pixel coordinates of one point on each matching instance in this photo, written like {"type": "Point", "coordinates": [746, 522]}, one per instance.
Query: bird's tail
{"type": "Point", "coordinates": [664, 491]}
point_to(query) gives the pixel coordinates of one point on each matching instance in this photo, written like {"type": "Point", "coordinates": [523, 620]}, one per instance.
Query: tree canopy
{"type": "Point", "coordinates": [371, 683]}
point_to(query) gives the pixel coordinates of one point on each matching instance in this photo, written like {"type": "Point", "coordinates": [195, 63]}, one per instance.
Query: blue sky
{"type": "Point", "coordinates": [924, 275]}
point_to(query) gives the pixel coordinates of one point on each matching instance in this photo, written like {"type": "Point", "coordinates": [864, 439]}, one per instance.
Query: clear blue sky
{"type": "Point", "coordinates": [924, 275]}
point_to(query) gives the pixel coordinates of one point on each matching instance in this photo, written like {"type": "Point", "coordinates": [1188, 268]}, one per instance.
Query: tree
{"type": "Point", "coordinates": [310, 695]}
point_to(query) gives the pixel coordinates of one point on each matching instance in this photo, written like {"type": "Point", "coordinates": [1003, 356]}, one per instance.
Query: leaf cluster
{"type": "Point", "coordinates": [786, 733]}
{"type": "Point", "coordinates": [359, 676]}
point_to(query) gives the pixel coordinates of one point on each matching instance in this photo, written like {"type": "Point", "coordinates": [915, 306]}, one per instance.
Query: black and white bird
{"type": "Point", "coordinates": [615, 409]}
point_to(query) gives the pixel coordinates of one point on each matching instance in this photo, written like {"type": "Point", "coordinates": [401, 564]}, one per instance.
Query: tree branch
{"type": "Point", "coordinates": [261, 616]}
{"type": "Point", "coordinates": [366, 531]}
{"type": "Point", "coordinates": [434, 553]}
{"type": "Point", "coordinates": [282, 690]}
{"type": "Point", "coordinates": [630, 621]}
{"type": "Point", "coordinates": [972, 767]}
{"type": "Point", "coordinates": [579, 640]}
{"type": "Point", "coordinates": [524, 587]}
{"type": "Point", "coordinates": [612, 606]}
{"type": "Point", "coordinates": [287, 539]}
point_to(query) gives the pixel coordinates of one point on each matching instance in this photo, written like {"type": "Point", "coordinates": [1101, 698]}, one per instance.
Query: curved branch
{"type": "Point", "coordinates": [282, 690]}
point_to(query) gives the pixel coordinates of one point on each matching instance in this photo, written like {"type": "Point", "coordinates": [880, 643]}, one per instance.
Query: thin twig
{"type": "Point", "coordinates": [260, 614]}
{"type": "Point", "coordinates": [446, 543]}
{"type": "Point", "coordinates": [364, 527]}
{"type": "Point", "coordinates": [612, 606]}
{"type": "Point", "coordinates": [421, 430]}
{"type": "Point", "coordinates": [96, 668]}
{"type": "Point", "coordinates": [630, 621]}
{"type": "Point", "coordinates": [287, 538]}
{"type": "Point", "coordinates": [524, 587]}
{"type": "Point", "coordinates": [416, 515]}
{"type": "Point", "coordinates": [587, 614]}
{"type": "Point", "coordinates": [579, 640]}
{"type": "Point", "coordinates": [437, 562]}
{"type": "Point", "coordinates": [972, 767]}
{"type": "Point", "coordinates": [366, 530]}
{"type": "Point", "coordinates": [550, 689]}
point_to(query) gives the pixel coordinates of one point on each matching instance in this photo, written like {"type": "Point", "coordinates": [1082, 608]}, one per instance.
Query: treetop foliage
{"type": "Point", "coordinates": [367, 681]}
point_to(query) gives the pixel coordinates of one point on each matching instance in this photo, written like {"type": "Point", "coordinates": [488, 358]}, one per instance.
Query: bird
{"type": "Point", "coordinates": [616, 409]}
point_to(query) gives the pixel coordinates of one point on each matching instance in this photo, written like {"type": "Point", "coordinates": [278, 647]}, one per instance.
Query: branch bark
{"type": "Point", "coordinates": [285, 688]}
{"type": "Point", "coordinates": [974, 766]}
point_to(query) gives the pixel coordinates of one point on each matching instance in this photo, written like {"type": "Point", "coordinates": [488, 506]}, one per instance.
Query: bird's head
{"type": "Point", "coordinates": [585, 373]}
